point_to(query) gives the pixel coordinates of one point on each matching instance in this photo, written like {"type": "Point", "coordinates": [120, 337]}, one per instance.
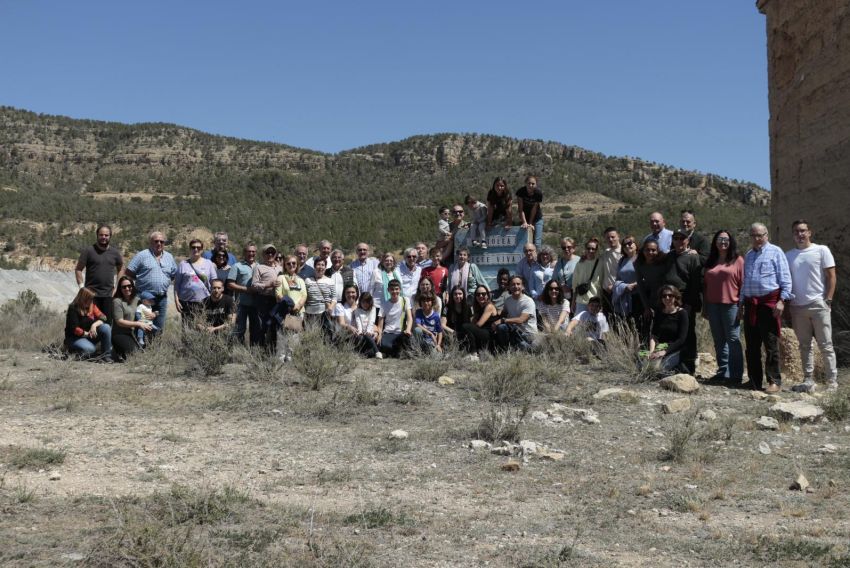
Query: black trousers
{"type": "Point", "coordinates": [123, 345]}
{"type": "Point", "coordinates": [476, 338]}
{"type": "Point", "coordinates": [104, 304]}
{"type": "Point", "coordinates": [765, 333]}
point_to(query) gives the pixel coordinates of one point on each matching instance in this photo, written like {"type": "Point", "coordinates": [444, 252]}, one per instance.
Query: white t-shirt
{"type": "Point", "coordinates": [364, 321]}
{"type": "Point", "coordinates": [392, 314]}
{"type": "Point", "coordinates": [808, 273]}
{"type": "Point", "coordinates": [525, 305]}
{"type": "Point", "coordinates": [595, 326]}
{"type": "Point", "coordinates": [345, 311]}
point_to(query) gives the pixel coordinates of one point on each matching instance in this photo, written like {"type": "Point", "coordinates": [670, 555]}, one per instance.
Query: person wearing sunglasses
{"type": "Point", "coordinates": [125, 302]}
{"type": "Point", "coordinates": [192, 282]}
{"type": "Point", "coordinates": [478, 329]}
{"type": "Point", "coordinates": [263, 284]}
{"type": "Point", "coordinates": [222, 268]}
{"type": "Point", "coordinates": [724, 274]}
{"type": "Point", "coordinates": [239, 284]}
{"type": "Point", "coordinates": [566, 265]}
{"type": "Point", "coordinates": [553, 310]}
{"type": "Point", "coordinates": [625, 298]}
{"type": "Point", "coordinates": [685, 273]}
{"type": "Point", "coordinates": [153, 270]}
{"type": "Point", "coordinates": [587, 277]}
{"type": "Point", "coordinates": [766, 288]}
{"type": "Point", "coordinates": [669, 332]}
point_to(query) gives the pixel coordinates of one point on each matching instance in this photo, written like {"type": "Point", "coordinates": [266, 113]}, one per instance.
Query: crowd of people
{"type": "Point", "coordinates": [656, 286]}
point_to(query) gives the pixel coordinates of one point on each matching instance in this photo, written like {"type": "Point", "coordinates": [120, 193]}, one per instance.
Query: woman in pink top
{"type": "Point", "coordinates": [724, 275]}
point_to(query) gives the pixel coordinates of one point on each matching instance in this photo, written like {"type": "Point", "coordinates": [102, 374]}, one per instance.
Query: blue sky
{"type": "Point", "coordinates": [683, 83]}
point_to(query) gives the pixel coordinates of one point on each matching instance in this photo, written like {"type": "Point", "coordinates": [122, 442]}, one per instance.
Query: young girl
{"type": "Point", "coordinates": [363, 324]}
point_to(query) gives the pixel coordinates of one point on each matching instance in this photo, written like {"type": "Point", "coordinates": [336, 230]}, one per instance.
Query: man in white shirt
{"type": "Point", "coordinates": [410, 273]}
{"type": "Point", "coordinates": [660, 233]}
{"type": "Point", "coordinates": [363, 267]}
{"type": "Point", "coordinates": [518, 325]}
{"type": "Point", "coordinates": [813, 281]}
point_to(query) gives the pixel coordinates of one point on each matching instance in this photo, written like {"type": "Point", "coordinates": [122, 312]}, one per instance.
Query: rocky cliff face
{"type": "Point", "coordinates": [57, 148]}
{"type": "Point", "coordinates": [439, 152]}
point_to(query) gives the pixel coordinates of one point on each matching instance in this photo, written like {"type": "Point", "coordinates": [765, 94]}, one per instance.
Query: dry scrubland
{"type": "Point", "coordinates": [180, 458]}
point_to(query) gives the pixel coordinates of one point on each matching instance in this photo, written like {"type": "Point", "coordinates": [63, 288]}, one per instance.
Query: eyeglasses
{"type": "Point", "coordinates": [413, 256]}
{"type": "Point", "coordinates": [362, 250]}
{"type": "Point", "coordinates": [722, 240]}
{"type": "Point", "coordinates": [757, 235]}
{"type": "Point", "coordinates": [126, 286]}
{"type": "Point", "coordinates": [291, 264]}
{"type": "Point", "coordinates": [158, 241]}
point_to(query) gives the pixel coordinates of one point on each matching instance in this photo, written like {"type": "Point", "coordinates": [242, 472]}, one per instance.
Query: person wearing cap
{"type": "Point", "coordinates": [146, 315]}
{"type": "Point", "coordinates": [685, 273]}
{"type": "Point", "coordinates": [153, 270]}
{"type": "Point", "coordinates": [263, 283]}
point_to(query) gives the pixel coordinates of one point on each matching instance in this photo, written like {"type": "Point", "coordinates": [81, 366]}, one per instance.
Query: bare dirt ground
{"type": "Point", "coordinates": [152, 463]}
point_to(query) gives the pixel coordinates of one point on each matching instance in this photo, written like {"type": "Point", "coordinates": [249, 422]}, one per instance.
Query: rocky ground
{"type": "Point", "coordinates": [389, 463]}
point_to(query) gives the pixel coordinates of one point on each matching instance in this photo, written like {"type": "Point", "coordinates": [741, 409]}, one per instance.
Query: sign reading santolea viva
{"type": "Point", "coordinates": [504, 250]}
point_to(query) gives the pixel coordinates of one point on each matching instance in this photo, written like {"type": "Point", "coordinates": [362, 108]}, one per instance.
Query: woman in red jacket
{"type": "Point", "coordinates": [85, 325]}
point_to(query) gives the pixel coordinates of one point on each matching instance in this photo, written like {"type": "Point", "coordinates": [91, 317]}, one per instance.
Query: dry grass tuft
{"type": "Point", "coordinates": [29, 326]}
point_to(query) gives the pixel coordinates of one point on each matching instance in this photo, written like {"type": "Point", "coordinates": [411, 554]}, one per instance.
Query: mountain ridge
{"type": "Point", "coordinates": [50, 161]}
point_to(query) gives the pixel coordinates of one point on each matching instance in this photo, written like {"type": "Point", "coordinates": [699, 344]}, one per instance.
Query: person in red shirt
{"type": "Point", "coordinates": [436, 273]}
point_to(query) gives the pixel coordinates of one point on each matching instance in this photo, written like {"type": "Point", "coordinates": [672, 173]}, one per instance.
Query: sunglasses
{"type": "Point", "coordinates": [458, 212]}
{"type": "Point", "coordinates": [126, 286]}
{"type": "Point", "coordinates": [291, 264]}
{"type": "Point", "coordinates": [158, 241]}
{"type": "Point", "coordinates": [196, 248]}
{"type": "Point", "coordinates": [664, 296]}
{"type": "Point", "coordinates": [628, 243]}
{"type": "Point", "coordinates": [482, 294]}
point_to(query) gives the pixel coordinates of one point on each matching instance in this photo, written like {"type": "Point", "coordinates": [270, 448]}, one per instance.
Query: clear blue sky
{"type": "Point", "coordinates": [678, 82]}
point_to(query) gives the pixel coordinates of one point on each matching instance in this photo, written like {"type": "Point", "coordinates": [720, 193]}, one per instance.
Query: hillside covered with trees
{"type": "Point", "coordinates": [60, 176]}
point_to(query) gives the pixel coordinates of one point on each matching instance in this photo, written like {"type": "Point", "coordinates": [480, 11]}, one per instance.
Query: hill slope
{"type": "Point", "coordinates": [61, 176]}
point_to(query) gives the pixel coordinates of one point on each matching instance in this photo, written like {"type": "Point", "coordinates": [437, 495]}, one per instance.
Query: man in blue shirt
{"type": "Point", "coordinates": [766, 287]}
{"type": "Point", "coordinates": [153, 270]}
{"type": "Point", "coordinates": [660, 233]}
{"type": "Point", "coordinates": [531, 271]}
{"type": "Point", "coordinates": [239, 280]}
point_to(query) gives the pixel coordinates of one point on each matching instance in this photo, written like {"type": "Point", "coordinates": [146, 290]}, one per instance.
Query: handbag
{"type": "Point", "coordinates": [584, 288]}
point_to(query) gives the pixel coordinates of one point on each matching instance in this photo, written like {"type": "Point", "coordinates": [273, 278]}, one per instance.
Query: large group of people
{"type": "Point", "coordinates": [655, 286]}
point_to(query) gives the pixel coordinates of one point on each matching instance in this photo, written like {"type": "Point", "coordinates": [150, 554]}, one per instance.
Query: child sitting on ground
{"type": "Point", "coordinates": [593, 322]}
{"type": "Point", "coordinates": [428, 330]}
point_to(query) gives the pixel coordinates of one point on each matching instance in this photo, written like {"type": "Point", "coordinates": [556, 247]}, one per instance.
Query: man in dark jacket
{"type": "Point", "coordinates": [685, 273]}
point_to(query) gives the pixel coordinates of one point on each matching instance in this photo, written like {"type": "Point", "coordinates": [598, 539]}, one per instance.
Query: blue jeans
{"type": "Point", "coordinates": [538, 233]}
{"type": "Point", "coordinates": [160, 305]}
{"type": "Point", "coordinates": [726, 332]}
{"type": "Point", "coordinates": [511, 335]}
{"type": "Point", "coordinates": [247, 318]}
{"type": "Point", "coordinates": [86, 346]}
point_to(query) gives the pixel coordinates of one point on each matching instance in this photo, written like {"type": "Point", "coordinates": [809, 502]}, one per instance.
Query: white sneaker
{"type": "Point", "coordinates": [806, 386]}
{"type": "Point", "coordinates": [832, 386]}
{"type": "Point", "coordinates": [379, 355]}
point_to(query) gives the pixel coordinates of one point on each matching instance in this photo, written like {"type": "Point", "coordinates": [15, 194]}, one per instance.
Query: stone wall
{"type": "Point", "coordinates": [808, 44]}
